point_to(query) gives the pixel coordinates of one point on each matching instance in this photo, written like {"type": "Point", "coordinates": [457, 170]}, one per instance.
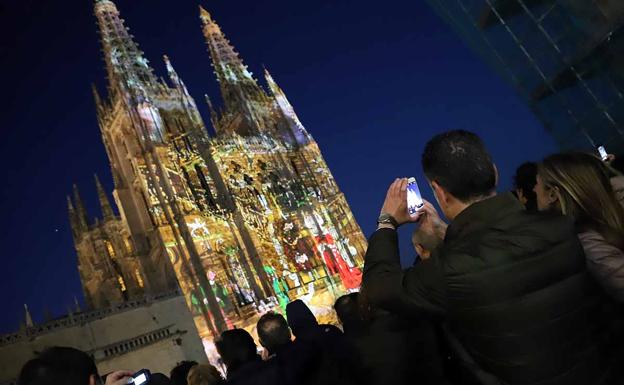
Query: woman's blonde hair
{"type": "Point", "coordinates": [585, 193]}
{"type": "Point", "coordinates": [204, 374]}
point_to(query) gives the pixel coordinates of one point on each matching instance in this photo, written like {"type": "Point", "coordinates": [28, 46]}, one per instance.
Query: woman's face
{"type": "Point", "coordinates": [546, 196]}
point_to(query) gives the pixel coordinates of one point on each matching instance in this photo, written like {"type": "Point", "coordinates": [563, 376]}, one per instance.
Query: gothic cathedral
{"type": "Point", "coordinates": [241, 222]}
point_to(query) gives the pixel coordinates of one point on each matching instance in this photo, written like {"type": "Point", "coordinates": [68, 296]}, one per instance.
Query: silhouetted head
{"type": "Point", "coordinates": [180, 372]}
{"type": "Point", "coordinates": [424, 242]}
{"type": "Point", "coordinates": [300, 317]}
{"type": "Point", "coordinates": [524, 182]}
{"type": "Point", "coordinates": [273, 331]}
{"type": "Point", "coordinates": [59, 366]}
{"type": "Point", "coordinates": [348, 311]}
{"type": "Point", "coordinates": [236, 348]}
{"type": "Point", "coordinates": [459, 169]}
{"type": "Point", "coordinates": [204, 375]}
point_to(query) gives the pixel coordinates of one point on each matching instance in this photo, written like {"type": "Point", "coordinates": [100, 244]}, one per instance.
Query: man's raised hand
{"type": "Point", "coordinates": [396, 202]}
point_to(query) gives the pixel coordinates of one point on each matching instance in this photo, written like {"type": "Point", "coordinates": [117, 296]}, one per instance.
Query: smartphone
{"type": "Point", "coordinates": [414, 200]}
{"type": "Point", "coordinates": [603, 153]}
{"type": "Point", "coordinates": [141, 377]}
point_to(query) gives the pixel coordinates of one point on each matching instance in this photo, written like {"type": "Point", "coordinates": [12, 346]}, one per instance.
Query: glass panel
{"type": "Point", "coordinates": [603, 89]}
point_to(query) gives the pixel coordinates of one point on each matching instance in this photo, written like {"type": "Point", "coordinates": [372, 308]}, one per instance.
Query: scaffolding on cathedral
{"type": "Point", "coordinates": [243, 222]}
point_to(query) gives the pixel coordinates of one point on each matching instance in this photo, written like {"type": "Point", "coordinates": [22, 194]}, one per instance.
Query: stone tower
{"type": "Point", "coordinates": [244, 221]}
{"type": "Point", "coordinates": [112, 269]}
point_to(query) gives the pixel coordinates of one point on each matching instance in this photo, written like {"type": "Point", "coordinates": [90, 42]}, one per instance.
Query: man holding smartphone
{"type": "Point", "coordinates": [510, 287]}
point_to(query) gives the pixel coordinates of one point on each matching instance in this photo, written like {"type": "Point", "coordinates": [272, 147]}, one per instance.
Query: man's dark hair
{"type": "Point", "coordinates": [525, 180]}
{"type": "Point", "coordinates": [458, 162]}
{"type": "Point", "coordinates": [236, 348]}
{"type": "Point", "coordinates": [347, 309]}
{"type": "Point", "coordinates": [273, 331]}
{"type": "Point", "coordinates": [178, 374]}
{"type": "Point", "coordinates": [59, 366]}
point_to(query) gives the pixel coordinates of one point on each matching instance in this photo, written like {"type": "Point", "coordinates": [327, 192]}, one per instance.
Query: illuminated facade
{"type": "Point", "coordinates": [242, 222]}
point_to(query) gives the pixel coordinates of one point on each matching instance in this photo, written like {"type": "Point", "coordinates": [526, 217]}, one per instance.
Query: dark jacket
{"type": "Point", "coordinates": [338, 363]}
{"type": "Point", "coordinates": [396, 350]}
{"type": "Point", "coordinates": [296, 363]}
{"type": "Point", "coordinates": [513, 288]}
{"type": "Point", "coordinates": [255, 372]}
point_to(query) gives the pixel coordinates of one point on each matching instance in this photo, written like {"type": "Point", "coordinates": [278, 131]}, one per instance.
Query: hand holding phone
{"type": "Point", "coordinates": [415, 202]}
{"type": "Point", "coordinates": [120, 377]}
{"type": "Point", "coordinates": [141, 377]}
{"type": "Point", "coordinates": [604, 155]}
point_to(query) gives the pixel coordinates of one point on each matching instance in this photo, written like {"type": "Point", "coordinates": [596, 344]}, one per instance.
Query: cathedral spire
{"type": "Point", "coordinates": [81, 213]}
{"type": "Point", "coordinates": [178, 83]}
{"type": "Point", "coordinates": [237, 84]}
{"type": "Point", "coordinates": [173, 75]}
{"type": "Point", "coordinates": [73, 219]}
{"type": "Point", "coordinates": [125, 64]}
{"type": "Point", "coordinates": [99, 104]}
{"type": "Point", "coordinates": [107, 210]}
{"type": "Point", "coordinates": [214, 116]}
{"type": "Point", "coordinates": [96, 97]}
{"type": "Point", "coordinates": [294, 125]}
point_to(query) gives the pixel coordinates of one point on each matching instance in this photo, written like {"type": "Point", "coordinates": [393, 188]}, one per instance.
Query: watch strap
{"type": "Point", "coordinates": [387, 218]}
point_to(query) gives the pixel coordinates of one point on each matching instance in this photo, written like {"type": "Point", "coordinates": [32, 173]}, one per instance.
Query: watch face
{"type": "Point", "coordinates": [384, 218]}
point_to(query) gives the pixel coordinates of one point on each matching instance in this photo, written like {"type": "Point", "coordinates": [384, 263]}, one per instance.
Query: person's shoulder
{"type": "Point", "coordinates": [596, 246]}
{"type": "Point", "coordinates": [590, 236]}
{"type": "Point", "coordinates": [546, 225]}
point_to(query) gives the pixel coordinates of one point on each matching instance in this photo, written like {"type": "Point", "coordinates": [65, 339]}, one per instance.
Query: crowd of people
{"type": "Point", "coordinates": [525, 287]}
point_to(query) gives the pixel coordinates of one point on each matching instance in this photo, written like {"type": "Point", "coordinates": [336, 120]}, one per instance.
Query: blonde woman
{"type": "Point", "coordinates": [204, 375]}
{"type": "Point", "coordinates": [578, 185]}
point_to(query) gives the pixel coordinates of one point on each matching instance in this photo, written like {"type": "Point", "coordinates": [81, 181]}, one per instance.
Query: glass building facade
{"type": "Point", "coordinates": [564, 57]}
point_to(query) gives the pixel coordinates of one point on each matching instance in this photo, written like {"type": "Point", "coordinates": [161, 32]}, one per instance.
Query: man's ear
{"type": "Point", "coordinates": [521, 196]}
{"type": "Point", "coordinates": [439, 193]}
{"type": "Point", "coordinates": [93, 380]}
{"type": "Point", "coordinates": [422, 252]}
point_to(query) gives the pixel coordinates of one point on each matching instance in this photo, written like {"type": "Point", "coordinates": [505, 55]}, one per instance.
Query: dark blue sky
{"type": "Point", "coordinates": [371, 81]}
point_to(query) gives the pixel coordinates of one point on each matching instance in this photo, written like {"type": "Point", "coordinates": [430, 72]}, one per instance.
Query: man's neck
{"type": "Point", "coordinates": [461, 206]}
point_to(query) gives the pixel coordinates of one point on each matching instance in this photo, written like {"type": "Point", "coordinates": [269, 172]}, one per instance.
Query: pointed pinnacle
{"type": "Point", "coordinates": [96, 94]}
{"type": "Point", "coordinates": [70, 205]}
{"type": "Point", "coordinates": [98, 184]}
{"type": "Point", "coordinates": [267, 75]}
{"type": "Point", "coordinates": [204, 15]}
{"type": "Point", "coordinates": [169, 66]}
{"type": "Point", "coordinates": [80, 208]}
{"type": "Point", "coordinates": [168, 62]}
{"type": "Point", "coordinates": [77, 305]}
{"type": "Point", "coordinates": [107, 210]}
{"type": "Point", "coordinates": [208, 101]}
{"type": "Point", "coordinates": [29, 321]}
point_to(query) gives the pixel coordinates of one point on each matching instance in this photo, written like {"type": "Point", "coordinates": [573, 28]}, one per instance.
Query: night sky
{"type": "Point", "coordinates": [371, 81]}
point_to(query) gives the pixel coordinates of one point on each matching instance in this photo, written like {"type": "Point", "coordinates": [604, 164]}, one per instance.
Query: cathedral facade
{"type": "Point", "coordinates": [242, 221]}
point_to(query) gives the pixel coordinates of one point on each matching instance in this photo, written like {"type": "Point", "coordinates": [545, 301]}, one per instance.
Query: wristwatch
{"type": "Point", "coordinates": [387, 219]}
